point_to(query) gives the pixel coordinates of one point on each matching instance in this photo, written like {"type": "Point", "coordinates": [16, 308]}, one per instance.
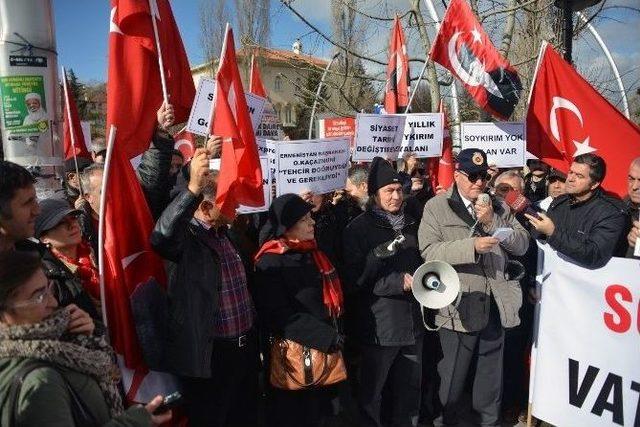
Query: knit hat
{"type": "Point", "coordinates": [381, 173]}
{"type": "Point", "coordinates": [284, 212]}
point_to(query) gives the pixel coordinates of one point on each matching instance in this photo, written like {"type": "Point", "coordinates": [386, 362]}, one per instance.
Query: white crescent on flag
{"type": "Point", "coordinates": [559, 102]}
{"type": "Point", "coordinates": [478, 76]}
{"type": "Point", "coordinates": [113, 27]}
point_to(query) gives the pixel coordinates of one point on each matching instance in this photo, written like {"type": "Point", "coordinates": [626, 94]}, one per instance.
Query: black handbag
{"type": "Point", "coordinates": [82, 417]}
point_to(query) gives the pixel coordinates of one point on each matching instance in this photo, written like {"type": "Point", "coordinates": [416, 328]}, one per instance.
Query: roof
{"type": "Point", "coordinates": [274, 55]}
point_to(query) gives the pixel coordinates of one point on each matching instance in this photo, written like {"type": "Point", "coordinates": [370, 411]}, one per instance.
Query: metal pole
{"type": "Point", "coordinates": [568, 30]}
{"type": "Point", "coordinates": [607, 53]}
{"type": "Point", "coordinates": [315, 100]}
{"type": "Point", "coordinates": [413, 94]}
{"type": "Point", "coordinates": [103, 197]}
{"type": "Point", "coordinates": [455, 108]}
{"type": "Point", "coordinates": [153, 7]}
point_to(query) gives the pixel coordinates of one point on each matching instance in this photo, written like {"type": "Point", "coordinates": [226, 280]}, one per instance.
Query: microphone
{"type": "Point", "coordinates": [484, 199]}
{"type": "Point", "coordinates": [520, 204]}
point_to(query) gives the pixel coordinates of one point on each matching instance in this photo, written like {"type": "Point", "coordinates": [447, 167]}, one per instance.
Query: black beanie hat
{"type": "Point", "coordinates": [381, 173]}
{"type": "Point", "coordinates": [284, 212]}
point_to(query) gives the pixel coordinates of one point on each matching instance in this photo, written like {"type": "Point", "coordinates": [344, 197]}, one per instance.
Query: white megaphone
{"type": "Point", "coordinates": [435, 284]}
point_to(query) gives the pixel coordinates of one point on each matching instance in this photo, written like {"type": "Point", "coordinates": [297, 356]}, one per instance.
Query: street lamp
{"type": "Point", "coordinates": [568, 7]}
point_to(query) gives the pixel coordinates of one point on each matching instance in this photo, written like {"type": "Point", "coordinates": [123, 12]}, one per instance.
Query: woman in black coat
{"type": "Point", "coordinates": [298, 298]}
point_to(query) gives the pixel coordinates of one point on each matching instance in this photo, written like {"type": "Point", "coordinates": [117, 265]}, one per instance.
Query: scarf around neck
{"type": "Point", "coordinates": [331, 286]}
{"type": "Point", "coordinates": [48, 341]}
{"type": "Point", "coordinates": [396, 220]}
{"type": "Point", "coordinates": [85, 268]}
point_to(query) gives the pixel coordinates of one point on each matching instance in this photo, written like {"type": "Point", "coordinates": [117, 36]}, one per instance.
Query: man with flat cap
{"type": "Point", "coordinates": [476, 235]}
{"type": "Point", "coordinates": [381, 255]}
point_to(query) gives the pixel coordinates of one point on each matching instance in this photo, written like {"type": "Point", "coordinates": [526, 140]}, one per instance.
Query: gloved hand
{"type": "Point", "coordinates": [390, 248]}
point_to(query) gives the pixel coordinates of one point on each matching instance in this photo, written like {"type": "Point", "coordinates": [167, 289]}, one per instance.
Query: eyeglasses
{"type": "Point", "coordinates": [504, 188]}
{"type": "Point", "coordinates": [37, 299]}
{"type": "Point", "coordinates": [475, 176]}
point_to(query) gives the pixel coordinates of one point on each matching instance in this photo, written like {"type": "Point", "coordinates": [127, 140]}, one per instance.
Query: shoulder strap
{"type": "Point", "coordinates": [81, 416]}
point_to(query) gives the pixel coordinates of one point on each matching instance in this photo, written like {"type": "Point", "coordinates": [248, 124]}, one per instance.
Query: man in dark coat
{"type": "Point", "coordinates": [632, 205]}
{"type": "Point", "coordinates": [211, 343]}
{"type": "Point", "coordinates": [388, 319]}
{"type": "Point", "coordinates": [585, 224]}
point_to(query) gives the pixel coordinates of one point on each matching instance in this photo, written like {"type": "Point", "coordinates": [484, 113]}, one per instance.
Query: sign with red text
{"type": "Point", "coordinates": [337, 126]}
{"type": "Point", "coordinates": [586, 360]}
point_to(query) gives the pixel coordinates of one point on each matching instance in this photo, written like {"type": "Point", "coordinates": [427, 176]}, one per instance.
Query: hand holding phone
{"type": "Point", "coordinates": [170, 402]}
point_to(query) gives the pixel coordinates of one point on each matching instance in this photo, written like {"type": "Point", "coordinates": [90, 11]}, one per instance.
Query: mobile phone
{"type": "Point", "coordinates": [171, 401]}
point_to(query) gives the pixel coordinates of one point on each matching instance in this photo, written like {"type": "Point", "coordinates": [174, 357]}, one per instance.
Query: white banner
{"type": "Point", "coordinates": [422, 135]}
{"type": "Point", "coordinates": [198, 122]}
{"type": "Point", "coordinates": [316, 165]}
{"type": "Point", "coordinates": [586, 359]}
{"type": "Point", "coordinates": [504, 142]}
{"type": "Point", "coordinates": [266, 188]}
{"type": "Point", "coordinates": [270, 127]}
{"type": "Point", "coordinates": [378, 135]}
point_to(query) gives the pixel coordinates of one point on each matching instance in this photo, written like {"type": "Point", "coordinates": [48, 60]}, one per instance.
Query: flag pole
{"type": "Point", "coordinates": [153, 7]}
{"type": "Point", "coordinates": [413, 94]}
{"type": "Point", "coordinates": [543, 47]}
{"type": "Point", "coordinates": [103, 197]}
{"type": "Point", "coordinates": [315, 100]}
{"type": "Point", "coordinates": [215, 93]}
{"type": "Point", "coordinates": [71, 129]}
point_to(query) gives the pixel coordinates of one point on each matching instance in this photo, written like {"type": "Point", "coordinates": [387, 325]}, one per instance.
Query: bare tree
{"type": "Point", "coordinates": [213, 19]}
{"type": "Point", "coordinates": [253, 21]}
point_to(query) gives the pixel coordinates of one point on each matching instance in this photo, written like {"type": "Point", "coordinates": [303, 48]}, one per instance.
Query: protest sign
{"type": "Point", "coordinates": [266, 188]}
{"type": "Point", "coordinates": [503, 142]}
{"type": "Point", "coordinates": [378, 135]}
{"type": "Point", "coordinates": [270, 127]}
{"type": "Point", "coordinates": [198, 122]}
{"type": "Point", "coordinates": [316, 165]}
{"type": "Point", "coordinates": [422, 135]}
{"type": "Point", "coordinates": [336, 127]}
{"type": "Point", "coordinates": [24, 105]}
{"type": "Point", "coordinates": [585, 369]}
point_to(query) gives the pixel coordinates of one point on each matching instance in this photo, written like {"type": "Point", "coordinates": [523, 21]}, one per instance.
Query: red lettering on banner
{"type": "Point", "coordinates": [620, 320]}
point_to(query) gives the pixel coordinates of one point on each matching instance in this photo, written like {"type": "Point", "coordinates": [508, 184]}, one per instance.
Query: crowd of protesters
{"type": "Point", "coordinates": [315, 270]}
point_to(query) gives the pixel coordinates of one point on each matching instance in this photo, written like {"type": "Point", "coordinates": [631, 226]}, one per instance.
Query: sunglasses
{"type": "Point", "coordinates": [504, 188]}
{"type": "Point", "coordinates": [475, 176]}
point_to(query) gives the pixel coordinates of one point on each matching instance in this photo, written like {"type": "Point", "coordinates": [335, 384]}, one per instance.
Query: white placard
{"type": "Point", "coordinates": [378, 135]}
{"type": "Point", "coordinates": [585, 369]}
{"type": "Point", "coordinates": [266, 188]}
{"type": "Point", "coordinates": [422, 135]}
{"type": "Point", "coordinates": [255, 104]}
{"type": "Point", "coordinates": [316, 165]}
{"type": "Point", "coordinates": [503, 142]}
{"type": "Point", "coordinates": [270, 127]}
{"type": "Point", "coordinates": [198, 122]}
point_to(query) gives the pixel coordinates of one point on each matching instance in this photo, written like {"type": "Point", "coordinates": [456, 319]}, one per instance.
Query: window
{"type": "Point", "coordinates": [287, 114]}
{"type": "Point", "coordinates": [278, 84]}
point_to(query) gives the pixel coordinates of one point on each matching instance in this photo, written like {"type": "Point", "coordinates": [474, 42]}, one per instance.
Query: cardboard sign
{"type": "Point", "coordinates": [316, 165]}
{"type": "Point", "coordinates": [266, 188]}
{"type": "Point", "coordinates": [336, 127]}
{"type": "Point", "coordinates": [378, 135]}
{"type": "Point", "coordinates": [503, 142]}
{"type": "Point", "coordinates": [269, 127]}
{"type": "Point", "coordinates": [422, 135]}
{"type": "Point", "coordinates": [198, 122]}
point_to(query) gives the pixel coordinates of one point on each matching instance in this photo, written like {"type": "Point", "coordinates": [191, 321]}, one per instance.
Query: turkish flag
{"type": "Point", "coordinates": [240, 178]}
{"type": "Point", "coordinates": [463, 47]}
{"type": "Point", "coordinates": [185, 141]}
{"type": "Point", "coordinates": [255, 81]}
{"type": "Point", "coordinates": [130, 265]}
{"type": "Point", "coordinates": [72, 129]}
{"type": "Point", "coordinates": [568, 117]}
{"type": "Point", "coordinates": [396, 92]}
{"type": "Point", "coordinates": [134, 89]}
{"type": "Point", "coordinates": [441, 168]}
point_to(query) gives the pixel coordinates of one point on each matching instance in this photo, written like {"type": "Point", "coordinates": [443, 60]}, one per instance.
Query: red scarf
{"type": "Point", "coordinates": [86, 270]}
{"type": "Point", "coordinates": [331, 287]}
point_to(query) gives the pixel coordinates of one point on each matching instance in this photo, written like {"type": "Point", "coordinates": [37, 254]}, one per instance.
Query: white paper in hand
{"type": "Point", "coordinates": [636, 249]}
{"type": "Point", "coordinates": [502, 234]}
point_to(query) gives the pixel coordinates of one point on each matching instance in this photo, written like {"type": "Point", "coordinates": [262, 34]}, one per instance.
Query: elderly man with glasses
{"type": "Point", "coordinates": [476, 235]}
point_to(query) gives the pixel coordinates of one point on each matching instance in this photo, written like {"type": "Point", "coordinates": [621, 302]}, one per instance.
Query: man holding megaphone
{"type": "Point", "coordinates": [475, 234]}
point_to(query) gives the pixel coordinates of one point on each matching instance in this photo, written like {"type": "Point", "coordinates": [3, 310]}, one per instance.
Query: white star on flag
{"type": "Point", "coordinates": [476, 36]}
{"type": "Point", "coordinates": [583, 147]}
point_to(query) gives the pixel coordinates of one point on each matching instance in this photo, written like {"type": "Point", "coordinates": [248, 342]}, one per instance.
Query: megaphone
{"type": "Point", "coordinates": [435, 284]}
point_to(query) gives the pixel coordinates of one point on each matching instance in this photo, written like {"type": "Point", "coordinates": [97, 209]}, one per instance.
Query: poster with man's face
{"type": "Point", "coordinates": [24, 104]}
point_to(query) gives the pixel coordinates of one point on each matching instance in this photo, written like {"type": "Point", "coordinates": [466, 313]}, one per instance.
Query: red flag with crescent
{"type": "Point", "coordinates": [396, 93]}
